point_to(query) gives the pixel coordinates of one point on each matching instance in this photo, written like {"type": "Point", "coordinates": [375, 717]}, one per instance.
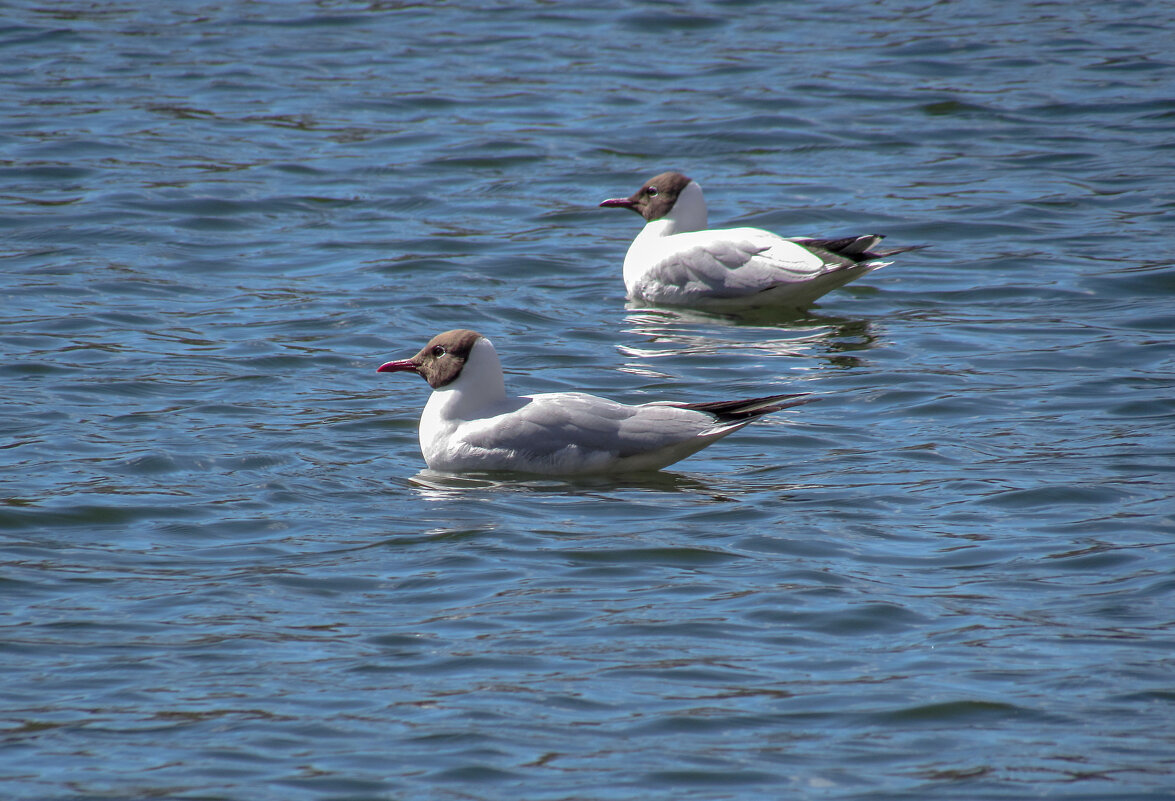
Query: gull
{"type": "Point", "coordinates": [676, 261]}
{"type": "Point", "coordinates": [470, 424]}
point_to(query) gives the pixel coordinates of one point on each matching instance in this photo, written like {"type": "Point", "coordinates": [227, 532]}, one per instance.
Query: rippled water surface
{"type": "Point", "coordinates": [224, 573]}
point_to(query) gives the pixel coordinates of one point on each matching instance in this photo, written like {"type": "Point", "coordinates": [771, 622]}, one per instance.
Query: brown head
{"type": "Point", "coordinates": [655, 199]}
{"type": "Point", "coordinates": [441, 360]}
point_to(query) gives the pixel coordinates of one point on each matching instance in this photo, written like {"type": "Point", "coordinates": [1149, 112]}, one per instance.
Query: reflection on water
{"type": "Point", "coordinates": [433, 485]}
{"type": "Point", "coordinates": [809, 340]}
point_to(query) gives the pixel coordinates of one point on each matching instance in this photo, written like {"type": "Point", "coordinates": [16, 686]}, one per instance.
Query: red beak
{"type": "Point", "coordinates": [396, 367]}
{"type": "Point", "coordinates": [619, 202]}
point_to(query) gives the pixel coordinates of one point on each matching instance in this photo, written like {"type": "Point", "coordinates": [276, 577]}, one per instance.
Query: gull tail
{"type": "Point", "coordinates": [746, 410]}
{"type": "Point", "coordinates": [857, 248]}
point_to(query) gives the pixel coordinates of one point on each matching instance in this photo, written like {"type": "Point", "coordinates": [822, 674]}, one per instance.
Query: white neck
{"type": "Point", "coordinates": [688, 212]}
{"type": "Point", "coordinates": [479, 387]}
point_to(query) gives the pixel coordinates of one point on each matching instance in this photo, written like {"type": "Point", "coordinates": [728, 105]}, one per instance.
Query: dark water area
{"type": "Point", "coordinates": [225, 573]}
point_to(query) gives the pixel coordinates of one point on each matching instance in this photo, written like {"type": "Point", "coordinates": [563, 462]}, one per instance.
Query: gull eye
{"type": "Point", "coordinates": [651, 191]}
{"type": "Point", "coordinates": [438, 351]}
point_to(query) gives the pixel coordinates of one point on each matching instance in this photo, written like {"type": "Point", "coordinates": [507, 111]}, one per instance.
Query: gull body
{"type": "Point", "coordinates": [471, 424]}
{"type": "Point", "coordinates": [677, 261]}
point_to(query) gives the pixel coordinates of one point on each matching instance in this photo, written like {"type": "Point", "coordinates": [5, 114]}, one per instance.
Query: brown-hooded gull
{"type": "Point", "coordinates": [676, 261]}
{"type": "Point", "coordinates": [470, 424]}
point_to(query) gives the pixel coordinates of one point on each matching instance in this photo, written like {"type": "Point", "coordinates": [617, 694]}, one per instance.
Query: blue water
{"type": "Point", "coordinates": [225, 574]}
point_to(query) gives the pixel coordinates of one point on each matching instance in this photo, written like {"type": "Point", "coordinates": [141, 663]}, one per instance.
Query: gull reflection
{"type": "Point", "coordinates": [674, 332]}
{"type": "Point", "coordinates": [436, 486]}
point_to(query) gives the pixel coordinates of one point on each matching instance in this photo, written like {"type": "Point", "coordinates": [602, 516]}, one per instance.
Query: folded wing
{"type": "Point", "coordinates": [550, 425]}
{"type": "Point", "coordinates": [559, 432]}
{"type": "Point", "coordinates": [732, 263]}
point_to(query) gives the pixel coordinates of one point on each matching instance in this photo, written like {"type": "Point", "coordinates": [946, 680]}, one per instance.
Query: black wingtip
{"type": "Point", "coordinates": [857, 248]}
{"type": "Point", "coordinates": [750, 408]}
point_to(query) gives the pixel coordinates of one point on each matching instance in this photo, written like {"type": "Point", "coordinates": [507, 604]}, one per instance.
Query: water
{"type": "Point", "coordinates": [227, 576]}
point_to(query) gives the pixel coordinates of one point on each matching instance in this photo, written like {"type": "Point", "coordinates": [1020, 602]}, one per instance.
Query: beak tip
{"type": "Point", "coordinates": [397, 366]}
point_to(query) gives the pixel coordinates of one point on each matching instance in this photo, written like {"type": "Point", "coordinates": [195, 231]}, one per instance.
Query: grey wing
{"type": "Point", "coordinates": [734, 262]}
{"type": "Point", "coordinates": [553, 425]}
